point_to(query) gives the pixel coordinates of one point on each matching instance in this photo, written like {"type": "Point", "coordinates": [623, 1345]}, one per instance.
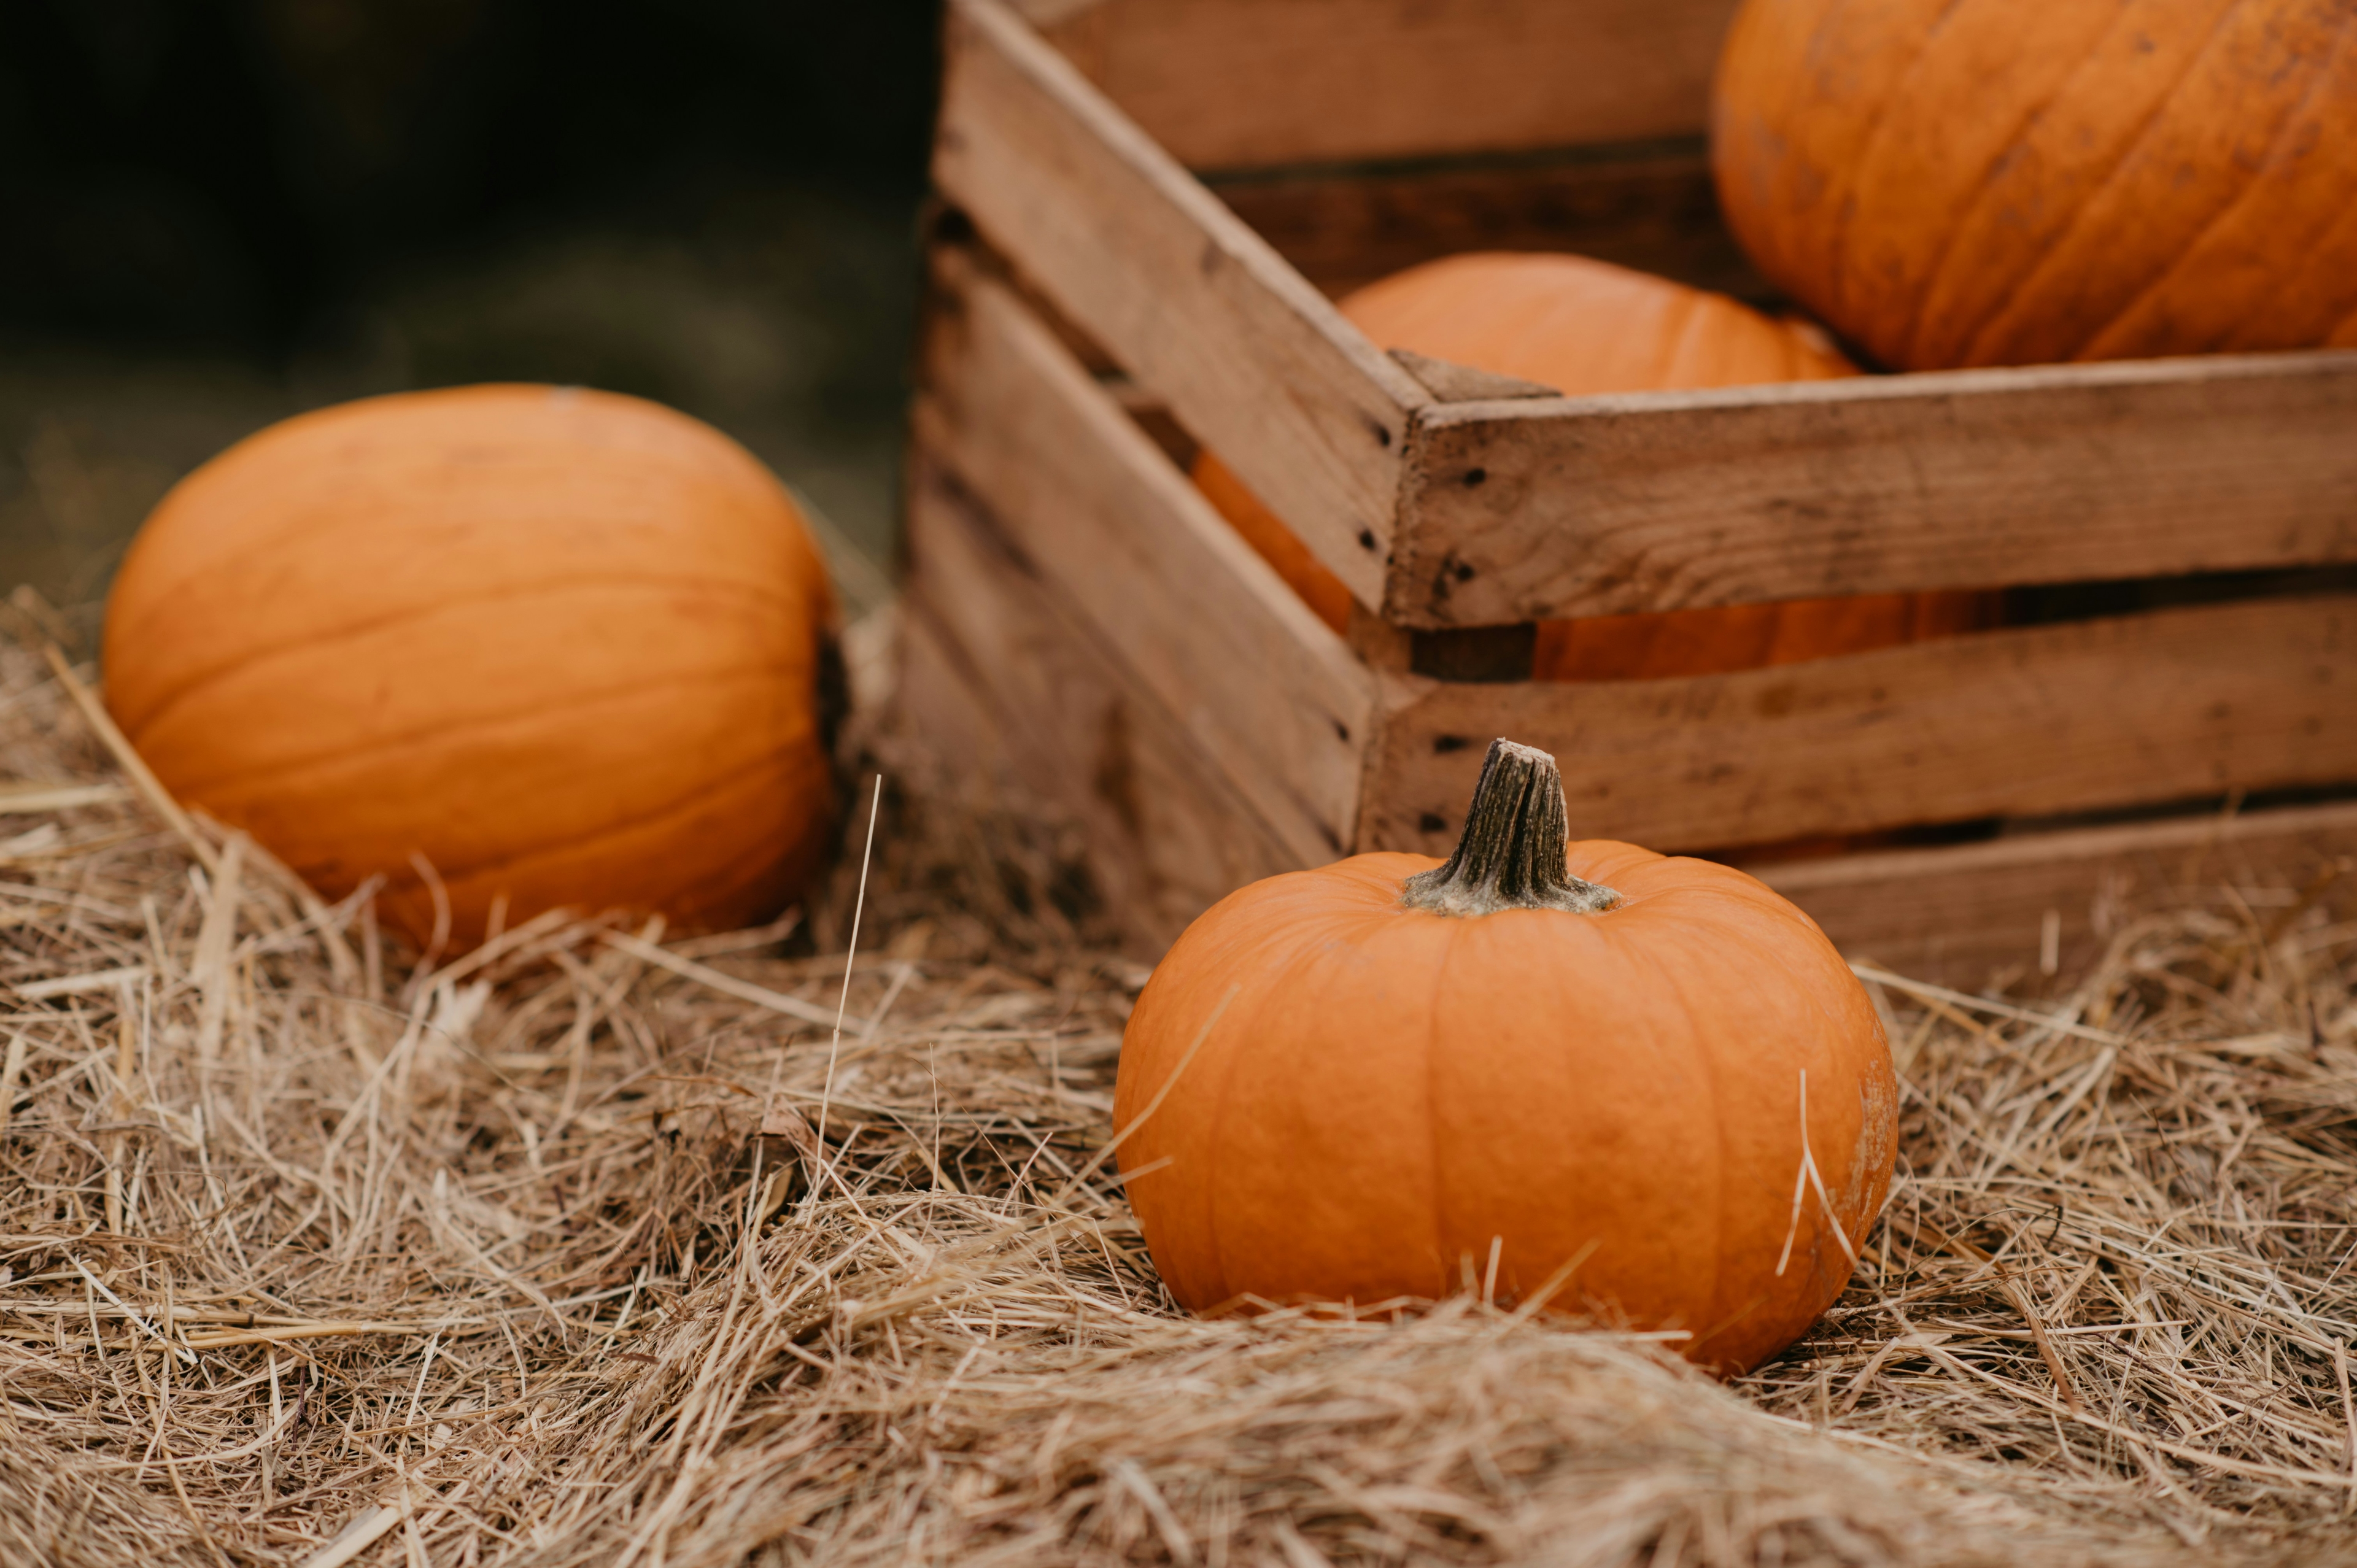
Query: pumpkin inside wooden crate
{"type": "Point", "coordinates": [1098, 309]}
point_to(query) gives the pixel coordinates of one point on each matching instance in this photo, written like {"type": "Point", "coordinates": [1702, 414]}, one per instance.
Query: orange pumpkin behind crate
{"type": "Point", "coordinates": [1584, 327]}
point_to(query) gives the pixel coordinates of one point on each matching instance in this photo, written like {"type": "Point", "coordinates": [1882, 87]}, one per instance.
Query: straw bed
{"type": "Point", "coordinates": [580, 1250]}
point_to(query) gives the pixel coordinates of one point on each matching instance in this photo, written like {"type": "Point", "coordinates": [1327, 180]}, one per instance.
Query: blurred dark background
{"type": "Point", "coordinates": [217, 212]}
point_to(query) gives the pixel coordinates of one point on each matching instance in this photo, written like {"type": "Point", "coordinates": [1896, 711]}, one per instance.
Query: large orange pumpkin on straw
{"type": "Point", "coordinates": [1643, 1087]}
{"type": "Point", "coordinates": [1584, 327]}
{"type": "Point", "coordinates": [537, 644]}
{"type": "Point", "coordinates": [2003, 182]}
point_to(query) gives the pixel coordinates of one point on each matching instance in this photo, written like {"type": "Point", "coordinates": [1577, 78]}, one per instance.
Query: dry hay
{"type": "Point", "coordinates": [491, 1264]}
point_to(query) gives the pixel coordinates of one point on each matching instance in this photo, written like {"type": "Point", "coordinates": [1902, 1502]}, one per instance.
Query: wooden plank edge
{"type": "Point", "coordinates": [2098, 715]}
{"type": "Point", "coordinates": [2038, 908]}
{"type": "Point", "coordinates": [1261, 365]}
{"type": "Point", "coordinates": [1275, 699]}
{"type": "Point", "coordinates": [1167, 834]}
{"type": "Point", "coordinates": [1251, 83]}
{"type": "Point", "coordinates": [1530, 509]}
{"type": "Point", "coordinates": [2210, 830]}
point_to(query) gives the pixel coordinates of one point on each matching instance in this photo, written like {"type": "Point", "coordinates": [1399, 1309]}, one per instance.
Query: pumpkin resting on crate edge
{"type": "Point", "coordinates": [1585, 326]}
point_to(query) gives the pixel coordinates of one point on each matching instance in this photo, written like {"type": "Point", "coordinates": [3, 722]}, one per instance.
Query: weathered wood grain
{"type": "Point", "coordinates": [1449, 381]}
{"type": "Point", "coordinates": [2169, 706]}
{"type": "Point", "coordinates": [1531, 508]}
{"type": "Point", "coordinates": [1228, 83]}
{"type": "Point", "coordinates": [1965, 916]}
{"type": "Point", "coordinates": [1010, 700]}
{"type": "Point", "coordinates": [1084, 629]}
{"type": "Point", "coordinates": [1271, 696]}
{"type": "Point", "coordinates": [1256, 362]}
{"type": "Point", "coordinates": [1650, 208]}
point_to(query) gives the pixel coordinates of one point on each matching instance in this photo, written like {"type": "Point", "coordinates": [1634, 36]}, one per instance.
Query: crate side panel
{"type": "Point", "coordinates": [1007, 693]}
{"type": "Point", "coordinates": [1135, 252]}
{"type": "Point", "coordinates": [2167, 706]}
{"type": "Point", "coordinates": [1271, 696]}
{"type": "Point", "coordinates": [1522, 510]}
{"type": "Point", "coordinates": [1235, 83]}
{"type": "Point", "coordinates": [1968, 916]}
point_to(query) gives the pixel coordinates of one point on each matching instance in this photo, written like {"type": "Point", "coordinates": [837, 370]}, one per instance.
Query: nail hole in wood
{"type": "Point", "coordinates": [1474, 476]}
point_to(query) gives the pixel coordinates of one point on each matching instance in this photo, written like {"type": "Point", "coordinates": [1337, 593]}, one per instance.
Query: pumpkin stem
{"type": "Point", "coordinates": [1511, 855]}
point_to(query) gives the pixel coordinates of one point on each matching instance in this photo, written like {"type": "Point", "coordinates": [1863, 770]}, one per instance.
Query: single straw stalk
{"type": "Point", "coordinates": [843, 1001]}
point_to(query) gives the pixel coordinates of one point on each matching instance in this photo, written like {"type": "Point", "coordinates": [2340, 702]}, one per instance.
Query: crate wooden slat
{"type": "Point", "coordinates": [1086, 630]}
{"type": "Point", "coordinates": [1000, 674]}
{"type": "Point", "coordinates": [1137, 255]}
{"type": "Point", "coordinates": [1257, 679]}
{"type": "Point", "coordinates": [1949, 916]}
{"type": "Point", "coordinates": [2029, 721]}
{"type": "Point", "coordinates": [1235, 83]}
{"type": "Point", "coordinates": [1595, 506]}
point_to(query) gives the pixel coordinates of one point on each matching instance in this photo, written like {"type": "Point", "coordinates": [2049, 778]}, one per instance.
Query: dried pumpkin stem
{"type": "Point", "coordinates": [1511, 855]}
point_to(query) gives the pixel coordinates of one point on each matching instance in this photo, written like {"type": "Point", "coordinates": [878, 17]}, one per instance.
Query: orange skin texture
{"type": "Point", "coordinates": [1584, 328]}
{"type": "Point", "coordinates": [2000, 182]}
{"type": "Point", "coordinates": [563, 644]}
{"type": "Point", "coordinates": [1388, 1090]}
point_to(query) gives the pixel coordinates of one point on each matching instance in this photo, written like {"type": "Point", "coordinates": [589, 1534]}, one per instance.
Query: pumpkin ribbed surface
{"type": "Point", "coordinates": [561, 644]}
{"type": "Point", "coordinates": [1327, 1096]}
{"type": "Point", "coordinates": [2002, 182]}
{"type": "Point", "coordinates": [1585, 326]}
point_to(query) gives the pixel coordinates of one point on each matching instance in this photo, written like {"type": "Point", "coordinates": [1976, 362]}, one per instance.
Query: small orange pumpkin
{"type": "Point", "coordinates": [1585, 326]}
{"type": "Point", "coordinates": [2007, 182]}
{"type": "Point", "coordinates": [562, 645]}
{"type": "Point", "coordinates": [1649, 1084]}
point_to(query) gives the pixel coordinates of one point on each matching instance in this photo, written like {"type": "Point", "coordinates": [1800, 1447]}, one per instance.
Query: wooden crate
{"type": "Point", "coordinates": [1087, 634]}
